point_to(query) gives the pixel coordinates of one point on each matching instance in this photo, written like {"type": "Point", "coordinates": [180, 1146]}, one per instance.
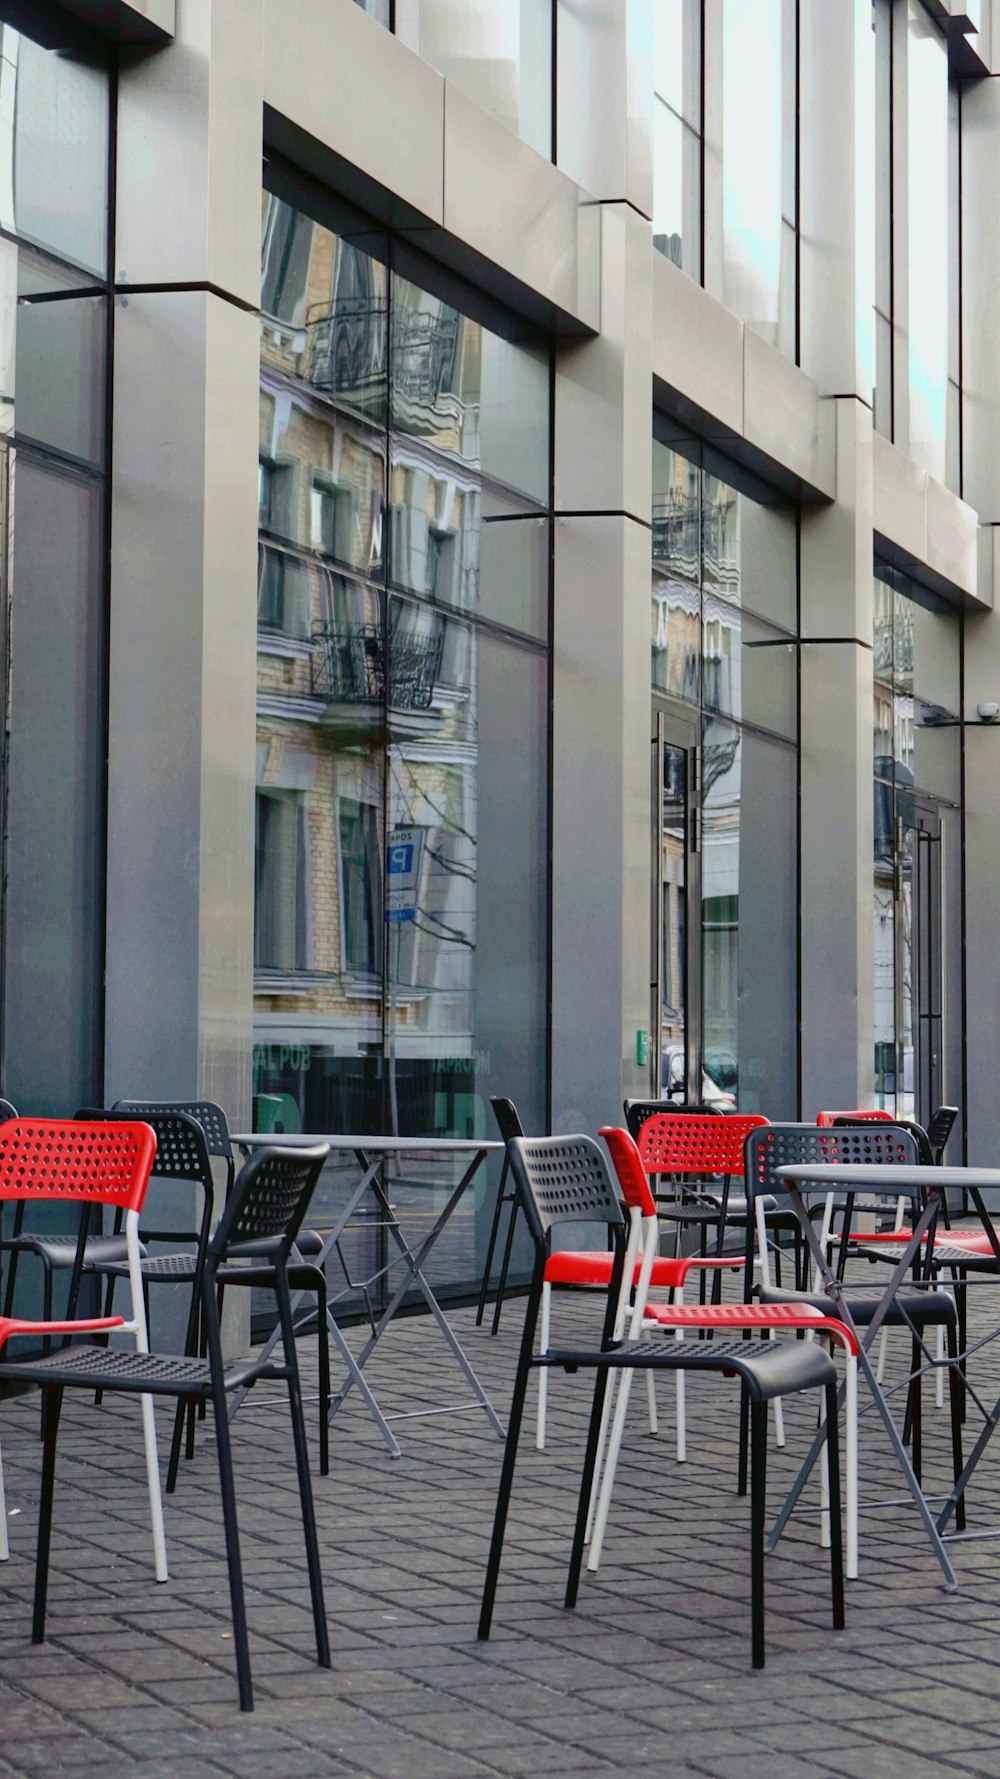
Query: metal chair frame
{"type": "Point", "coordinates": [510, 1125]}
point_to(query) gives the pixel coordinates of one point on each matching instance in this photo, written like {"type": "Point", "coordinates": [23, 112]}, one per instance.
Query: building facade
{"type": "Point", "coordinates": [499, 505]}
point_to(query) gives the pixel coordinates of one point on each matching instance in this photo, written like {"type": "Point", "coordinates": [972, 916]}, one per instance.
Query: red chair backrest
{"type": "Point", "coordinates": [632, 1176]}
{"type": "Point", "coordinates": [868, 1112]}
{"type": "Point", "coordinates": [686, 1143]}
{"type": "Point", "coordinates": [90, 1162]}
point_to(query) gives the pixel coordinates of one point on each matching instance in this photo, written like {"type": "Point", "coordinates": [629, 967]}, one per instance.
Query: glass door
{"type": "Point", "coordinates": [675, 999]}
{"type": "Point", "coordinates": [919, 970]}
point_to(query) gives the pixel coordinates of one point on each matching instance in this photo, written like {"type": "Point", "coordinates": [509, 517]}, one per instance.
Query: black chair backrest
{"type": "Point", "coordinates": [507, 1118]}
{"type": "Point", "coordinates": [771, 1146]}
{"type": "Point", "coordinates": [939, 1130]}
{"type": "Point", "coordinates": [562, 1180]}
{"type": "Point", "coordinates": [924, 1151]}
{"type": "Point", "coordinates": [637, 1111]}
{"type": "Point", "coordinates": [265, 1209]}
{"type": "Point", "coordinates": [211, 1117]}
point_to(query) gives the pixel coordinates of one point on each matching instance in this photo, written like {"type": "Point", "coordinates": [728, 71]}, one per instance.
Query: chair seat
{"type": "Point", "coordinates": [736, 1210]}
{"type": "Point", "coordinates": [106, 1368]}
{"type": "Point", "coordinates": [769, 1368]}
{"type": "Point", "coordinates": [975, 1257]}
{"type": "Point", "coordinates": [60, 1250]}
{"type": "Point", "coordinates": [155, 1266]}
{"type": "Point", "coordinates": [923, 1308]}
{"type": "Point", "coordinates": [582, 1266]}
{"type": "Point", "coordinates": [789, 1316]}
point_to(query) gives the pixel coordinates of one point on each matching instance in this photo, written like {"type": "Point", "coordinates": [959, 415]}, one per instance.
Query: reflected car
{"type": "Point", "coordinates": [673, 1084]}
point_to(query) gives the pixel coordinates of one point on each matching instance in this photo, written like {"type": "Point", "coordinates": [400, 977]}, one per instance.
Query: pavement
{"type": "Point", "coordinates": [650, 1674]}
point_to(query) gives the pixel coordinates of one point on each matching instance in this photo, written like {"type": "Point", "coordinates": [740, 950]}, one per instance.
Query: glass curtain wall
{"type": "Point", "coordinates": [917, 755]}
{"type": "Point", "coordinates": [759, 166]}
{"type": "Point", "coordinates": [401, 946]}
{"type": "Point", "coordinates": [55, 112]}
{"type": "Point", "coordinates": [498, 52]}
{"type": "Point", "coordinates": [724, 626]}
{"type": "Point", "coordinates": [677, 133]}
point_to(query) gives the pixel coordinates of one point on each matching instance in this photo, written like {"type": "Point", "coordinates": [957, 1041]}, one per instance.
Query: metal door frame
{"type": "Point", "coordinates": [677, 727]}
{"type": "Point", "coordinates": [924, 816]}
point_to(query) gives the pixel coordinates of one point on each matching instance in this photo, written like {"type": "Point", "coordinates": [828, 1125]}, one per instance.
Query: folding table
{"type": "Point", "coordinates": [370, 1153]}
{"type": "Point", "coordinates": [905, 1182]}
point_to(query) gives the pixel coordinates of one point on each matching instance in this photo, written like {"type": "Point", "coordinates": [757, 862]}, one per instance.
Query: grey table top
{"type": "Point", "coordinates": [368, 1145]}
{"type": "Point", "coordinates": [849, 1173]}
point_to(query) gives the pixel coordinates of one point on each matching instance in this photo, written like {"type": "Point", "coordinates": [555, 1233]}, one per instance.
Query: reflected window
{"type": "Point", "coordinates": [360, 887]}
{"type": "Point", "coordinates": [280, 891]}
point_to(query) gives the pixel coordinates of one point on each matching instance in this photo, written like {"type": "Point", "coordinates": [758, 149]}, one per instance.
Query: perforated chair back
{"type": "Point", "coordinates": [939, 1130]}
{"type": "Point", "coordinates": [917, 1132]}
{"type": "Point", "coordinates": [562, 1180]}
{"type": "Point", "coordinates": [264, 1212]}
{"type": "Point", "coordinates": [211, 1117]}
{"type": "Point", "coordinates": [508, 1119]}
{"type": "Point", "coordinates": [637, 1112]}
{"type": "Point", "coordinates": [862, 1115]}
{"type": "Point", "coordinates": [789, 1145]}
{"type": "Point", "coordinates": [58, 1158]}
{"type": "Point", "coordinates": [695, 1143]}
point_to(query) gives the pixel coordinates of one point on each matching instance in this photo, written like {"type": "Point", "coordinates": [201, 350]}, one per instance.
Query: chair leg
{"type": "Point", "coordinates": [916, 1398]}
{"type": "Point", "coordinates": [324, 1382]}
{"type": "Point", "coordinates": [507, 1469]}
{"type": "Point", "coordinates": [4, 1540]}
{"type": "Point", "coordinates": [758, 1504]}
{"type": "Point", "coordinates": [955, 1394]}
{"type": "Point", "coordinates": [505, 1268]}
{"type": "Point", "coordinates": [224, 1452]}
{"type": "Point", "coordinates": [488, 1263]}
{"type": "Point", "coordinates": [313, 1563]}
{"type": "Point", "coordinates": [153, 1483]}
{"type": "Point", "coordinates": [51, 1404]}
{"type": "Point", "coordinates": [836, 1530]}
{"type": "Point", "coordinates": [587, 1480]}
{"type": "Point", "coordinates": [741, 1473]}
{"type": "Point", "coordinates": [543, 1374]}
{"type": "Point", "coordinates": [610, 1467]}
{"type": "Point", "coordinates": [851, 1423]}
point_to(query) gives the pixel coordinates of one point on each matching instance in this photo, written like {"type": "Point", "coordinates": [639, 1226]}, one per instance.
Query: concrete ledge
{"type": "Point", "coordinates": [723, 380]}
{"type": "Point", "coordinates": [349, 105]}
{"type": "Point", "coordinates": [924, 528]}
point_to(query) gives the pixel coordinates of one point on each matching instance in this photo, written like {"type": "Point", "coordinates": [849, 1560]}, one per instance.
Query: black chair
{"type": "Point", "coordinates": [563, 1180]}
{"type": "Point", "coordinates": [510, 1126]}
{"type": "Point", "coordinates": [260, 1223]}
{"type": "Point", "coordinates": [175, 1268]}
{"type": "Point", "coordinates": [867, 1142]}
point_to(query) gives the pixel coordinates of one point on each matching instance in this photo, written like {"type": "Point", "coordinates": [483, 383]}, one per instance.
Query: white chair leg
{"type": "Point", "coordinates": [851, 1491]}
{"type": "Point", "coordinates": [654, 1425]}
{"type": "Point", "coordinates": [4, 1542]}
{"type": "Point", "coordinates": [153, 1478]}
{"type": "Point", "coordinates": [824, 1483]}
{"type": "Point", "coordinates": [610, 1466]}
{"type": "Point", "coordinates": [609, 1399]}
{"type": "Point", "coordinates": [543, 1374]}
{"type": "Point", "coordinates": [880, 1368]}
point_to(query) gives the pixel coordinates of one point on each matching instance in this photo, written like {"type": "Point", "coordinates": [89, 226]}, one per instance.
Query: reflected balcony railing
{"type": "Point", "coordinates": [346, 350]}
{"type": "Point", "coordinates": [676, 532]}
{"type": "Point", "coordinates": [349, 666]}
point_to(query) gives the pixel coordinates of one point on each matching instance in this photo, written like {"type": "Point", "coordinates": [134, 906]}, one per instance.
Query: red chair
{"type": "Point", "coordinates": [723, 1317]}
{"type": "Point", "coordinates": [643, 1267]}
{"type": "Point", "coordinates": [690, 1144]}
{"type": "Point", "coordinates": [90, 1164]}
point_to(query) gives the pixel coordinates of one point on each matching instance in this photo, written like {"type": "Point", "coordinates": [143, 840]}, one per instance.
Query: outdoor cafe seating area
{"type": "Point", "coordinates": [820, 1295]}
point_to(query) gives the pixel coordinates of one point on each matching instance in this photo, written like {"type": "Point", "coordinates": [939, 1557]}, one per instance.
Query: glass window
{"type": "Point", "coordinates": [883, 393]}
{"type": "Point", "coordinates": [953, 418]}
{"type": "Point", "coordinates": [759, 222]}
{"type": "Point", "coordinates": [927, 238]}
{"type": "Point", "coordinates": [54, 124]}
{"type": "Point", "coordinates": [401, 903]}
{"type": "Point", "coordinates": [677, 133]}
{"type": "Point", "coordinates": [52, 355]}
{"type": "Point", "coordinates": [498, 52]}
{"type": "Point", "coordinates": [750, 792]}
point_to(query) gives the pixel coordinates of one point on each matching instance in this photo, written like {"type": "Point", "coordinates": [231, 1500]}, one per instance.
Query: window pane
{"type": "Point", "coordinates": [54, 121]}
{"type": "Point", "coordinates": [757, 263]}
{"type": "Point", "coordinates": [55, 792]}
{"type": "Point", "coordinates": [379, 9]}
{"type": "Point", "coordinates": [498, 52]}
{"type": "Point", "coordinates": [748, 670]}
{"type": "Point", "coordinates": [677, 57]}
{"type": "Point", "coordinates": [52, 356]}
{"type": "Point", "coordinates": [928, 255]}
{"type": "Point", "coordinates": [676, 599]}
{"type": "Point", "coordinates": [748, 914]}
{"type": "Point", "coordinates": [676, 191]}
